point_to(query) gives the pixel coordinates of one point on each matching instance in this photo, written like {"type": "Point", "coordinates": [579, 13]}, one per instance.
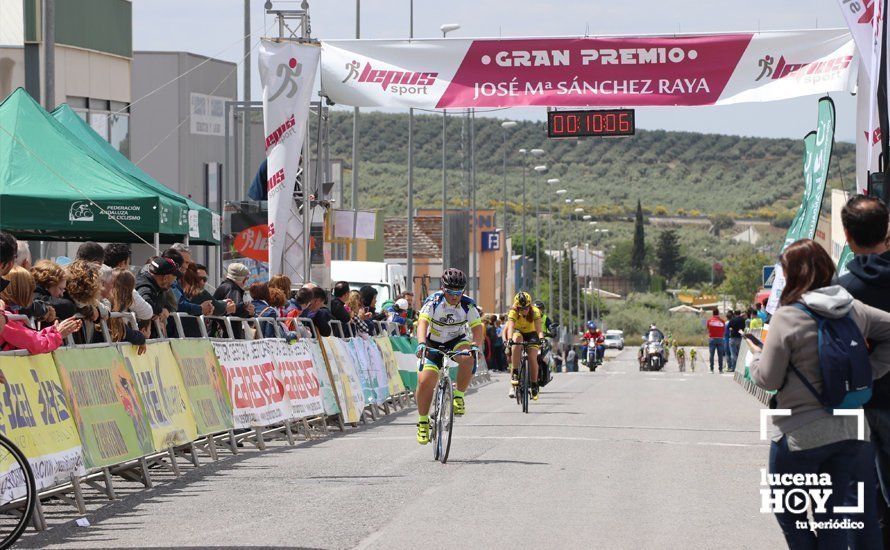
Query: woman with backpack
{"type": "Point", "coordinates": [816, 338]}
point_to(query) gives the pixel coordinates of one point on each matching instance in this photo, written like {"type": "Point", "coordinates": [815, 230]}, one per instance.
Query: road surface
{"type": "Point", "coordinates": [611, 459]}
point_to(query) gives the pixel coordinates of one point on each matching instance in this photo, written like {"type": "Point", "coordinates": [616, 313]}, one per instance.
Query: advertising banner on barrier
{"type": "Point", "coordinates": [204, 385]}
{"type": "Point", "coordinates": [713, 69]}
{"type": "Point", "coordinates": [361, 362]}
{"type": "Point", "coordinates": [328, 399]}
{"type": "Point", "coordinates": [163, 394]}
{"type": "Point", "coordinates": [376, 371]}
{"type": "Point", "coordinates": [256, 396]}
{"type": "Point", "coordinates": [349, 385]}
{"type": "Point", "coordinates": [34, 414]}
{"type": "Point", "coordinates": [390, 363]}
{"type": "Point", "coordinates": [287, 71]}
{"type": "Point", "coordinates": [403, 349]}
{"type": "Point", "coordinates": [105, 405]}
{"type": "Point", "coordinates": [296, 374]}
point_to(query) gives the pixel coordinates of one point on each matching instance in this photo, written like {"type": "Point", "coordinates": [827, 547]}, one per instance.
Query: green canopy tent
{"type": "Point", "coordinates": [53, 188]}
{"type": "Point", "coordinates": [200, 234]}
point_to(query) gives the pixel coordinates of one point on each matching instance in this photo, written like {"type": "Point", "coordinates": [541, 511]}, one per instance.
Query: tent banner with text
{"type": "Point", "coordinates": [34, 415]}
{"type": "Point", "coordinates": [687, 70]}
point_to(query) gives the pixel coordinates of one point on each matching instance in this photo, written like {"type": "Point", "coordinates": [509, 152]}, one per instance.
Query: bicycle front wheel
{"type": "Point", "coordinates": [18, 493]}
{"type": "Point", "coordinates": [524, 384]}
{"type": "Point", "coordinates": [446, 421]}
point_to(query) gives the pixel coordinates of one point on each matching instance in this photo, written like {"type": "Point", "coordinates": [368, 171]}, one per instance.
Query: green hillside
{"type": "Point", "coordinates": [674, 173]}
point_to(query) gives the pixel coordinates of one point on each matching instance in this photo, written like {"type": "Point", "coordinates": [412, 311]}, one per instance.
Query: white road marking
{"type": "Point", "coordinates": [564, 438]}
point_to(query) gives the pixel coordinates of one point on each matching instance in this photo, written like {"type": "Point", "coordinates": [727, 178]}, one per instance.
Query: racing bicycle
{"type": "Point", "coordinates": [442, 412]}
{"type": "Point", "coordinates": [523, 391]}
{"type": "Point", "coordinates": [18, 493]}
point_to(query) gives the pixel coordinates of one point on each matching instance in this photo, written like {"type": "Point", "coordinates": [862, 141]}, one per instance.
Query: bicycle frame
{"type": "Point", "coordinates": [441, 412]}
{"type": "Point", "coordinates": [524, 389]}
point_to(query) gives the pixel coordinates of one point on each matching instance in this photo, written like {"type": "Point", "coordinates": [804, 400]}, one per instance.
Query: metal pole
{"type": "Point", "coordinates": [504, 250]}
{"type": "Point", "coordinates": [537, 248]}
{"type": "Point", "coordinates": [445, 259]}
{"type": "Point", "coordinates": [222, 195]}
{"type": "Point", "coordinates": [550, 258]}
{"type": "Point", "coordinates": [246, 140]}
{"type": "Point", "coordinates": [307, 212]}
{"type": "Point", "coordinates": [49, 52]}
{"type": "Point", "coordinates": [524, 277]}
{"type": "Point", "coordinates": [410, 241]}
{"type": "Point", "coordinates": [570, 279]}
{"type": "Point", "coordinates": [157, 243]}
{"type": "Point", "coordinates": [581, 306]}
{"type": "Point", "coordinates": [355, 155]}
{"type": "Point", "coordinates": [562, 318]}
{"type": "Point", "coordinates": [474, 244]}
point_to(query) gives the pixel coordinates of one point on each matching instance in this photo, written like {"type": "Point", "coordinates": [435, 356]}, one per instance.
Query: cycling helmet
{"type": "Point", "coordinates": [454, 279]}
{"type": "Point", "coordinates": [522, 299]}
{"type": "Point", "coordinates": [591, 325]}
{"type": "Point", "coordinates": [539, 304]}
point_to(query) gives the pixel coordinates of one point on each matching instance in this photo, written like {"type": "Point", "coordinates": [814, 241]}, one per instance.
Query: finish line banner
{"type": "Point", "coordinates": [716, 69]}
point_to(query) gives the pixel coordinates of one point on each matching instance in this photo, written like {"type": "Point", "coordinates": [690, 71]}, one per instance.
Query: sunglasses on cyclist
{"type": "Point", "coordinates": [452, 292]}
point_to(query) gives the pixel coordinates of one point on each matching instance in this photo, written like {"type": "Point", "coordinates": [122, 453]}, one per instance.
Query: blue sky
{"type": "Point", "coordinates": [214, 27]}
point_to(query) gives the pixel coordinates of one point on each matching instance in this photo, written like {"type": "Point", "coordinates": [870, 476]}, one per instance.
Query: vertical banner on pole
{"type": "Point", "coordinates": [287, 71]}
{"type": "Point", "coordinates": [819, 145]}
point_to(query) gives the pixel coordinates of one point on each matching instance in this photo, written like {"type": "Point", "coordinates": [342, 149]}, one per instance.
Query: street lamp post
{"type": "Point", "coordinates": [506, 125]}
{"type": "Point", "coordinates": [539, 169]}
{"type": "Point", "coordinates": [525, 152]}
{"type": "Point", "coordinates": [561, 255]}
{"type": "Point", "coordinates": [551, 181]}
{"type": "Point", "coordinates": [445, 259]}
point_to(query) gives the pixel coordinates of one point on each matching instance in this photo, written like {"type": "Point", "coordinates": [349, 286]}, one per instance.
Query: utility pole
{"type": "Point", "coordinates": [355, 153]}
{"type": "Point", "coordinates": [445, 262]}
{"type": "Point", "coordinates": [474, 226]}
{"type": "Point", "coordinates": [410, 240]}
{"type": "Point", "coordinates": [49, 52]}
{"type": "Point", "coordinates": [247, 168]}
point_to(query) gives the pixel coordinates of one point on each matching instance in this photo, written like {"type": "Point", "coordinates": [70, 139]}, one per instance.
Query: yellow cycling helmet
{"type": "Point", "coordinates": [523, 299]}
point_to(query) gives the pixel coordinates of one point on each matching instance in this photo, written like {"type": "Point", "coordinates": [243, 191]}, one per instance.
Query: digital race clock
{"type": "Point", "coordinates": [606, 123]}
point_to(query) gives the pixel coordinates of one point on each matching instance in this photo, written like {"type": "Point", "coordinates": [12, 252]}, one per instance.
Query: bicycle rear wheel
{"type": "Point", "coordinates": [524, 384]}
{"type": "Point", "coordinates": [446, 421]}
{"type": "Point", "coordinates": [18, 495]}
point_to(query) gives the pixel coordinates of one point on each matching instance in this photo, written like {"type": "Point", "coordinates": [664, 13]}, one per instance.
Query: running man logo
{"type": "Point", "coordinates": [822, 69]}
{"type": "Point", "coordinates": [288, 72]}
{"type": "Point", "coordinates": [80, 211]}
{"type": "Point", "coordinates": [396, 82]}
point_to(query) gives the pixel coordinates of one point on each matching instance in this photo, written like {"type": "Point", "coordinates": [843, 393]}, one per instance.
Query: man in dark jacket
{"type": "Point", "coordinates": [233, 289]}
{"type": "Point", "coordinates": [338, 307]}
{"type": "Point", "coordinates": [865, 222]}
{"type": "Point", "coordinates": [183, 304]}
{"type": "Point", "coordinates": [736, 327]}
{"type": "Point", "coordinates": [152, 284]}
{"type": "Point", "coordinates": [320, 315]}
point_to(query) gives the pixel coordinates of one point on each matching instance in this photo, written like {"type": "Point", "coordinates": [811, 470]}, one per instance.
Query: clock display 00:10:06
{"type": "Point", "coordinates": [616, 122]}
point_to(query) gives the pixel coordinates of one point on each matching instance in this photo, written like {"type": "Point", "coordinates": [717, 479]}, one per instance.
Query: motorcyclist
{"type": "Point", "coordinates": [652, 335]}
{"type": "Point", "coordinates": [548, 326]}
{"type": "Point", "coordinates": [596, 347]}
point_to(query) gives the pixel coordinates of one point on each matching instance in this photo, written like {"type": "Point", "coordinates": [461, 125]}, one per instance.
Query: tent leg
{"type": "Point", "coordinates": [158, 244]}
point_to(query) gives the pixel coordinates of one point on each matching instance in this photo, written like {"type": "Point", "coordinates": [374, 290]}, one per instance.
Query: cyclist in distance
{"type": "Point", "coordinates": [443, 325]}
{"type": "Point", "coordinates": [524, 325]}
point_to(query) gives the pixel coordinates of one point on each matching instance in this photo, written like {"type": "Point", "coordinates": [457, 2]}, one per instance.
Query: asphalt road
{"type": "Point", "coordinates": [611, 459]}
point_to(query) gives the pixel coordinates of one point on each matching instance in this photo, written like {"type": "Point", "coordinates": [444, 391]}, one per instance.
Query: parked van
{"type": "Point", "coordinates": [389, 279]}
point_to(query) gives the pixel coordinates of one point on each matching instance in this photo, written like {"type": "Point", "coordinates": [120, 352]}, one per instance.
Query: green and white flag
{"type": "Point", "coordinates": [846, 257]}
{"type": "Point", "coordinates": [817, 158]}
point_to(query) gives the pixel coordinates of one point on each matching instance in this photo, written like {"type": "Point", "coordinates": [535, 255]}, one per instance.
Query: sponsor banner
{"type": "Point", "coordinates": [297, 375]}
{"type": "Point", "coordinates": [256, 395]}
{"type": "Point", "coordinates": [328, 399]}
{"type": "Point", "coordinates": [361, 362]}
{"type": "Point", "coordinates": [163, 394]}
{"type": "Point", "coordinates": [713, 69]}
{"type": "Point", "coordinates": [204, 385]}
{"type": "Point", "coordinates": [404, 350]}
{"type": "Point", "coordinates": [34, 414]}
{"type": "Point", "coordinates": [391, 364]}
{"type": "Point", "coordinates": [287, 72]}
{"type": "Point", "coordinates": [349, 385]}
{"type": "Point", "coordinates": [818, 146]}
{"type": "Point", "coordinates": [105, 405]}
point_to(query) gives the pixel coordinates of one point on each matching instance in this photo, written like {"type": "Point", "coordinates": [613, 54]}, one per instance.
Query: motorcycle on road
{"type": "Point", "coordinates": [653, 354]}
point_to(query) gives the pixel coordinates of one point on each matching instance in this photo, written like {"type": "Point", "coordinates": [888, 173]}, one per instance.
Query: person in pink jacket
{"type": "Point", "coordinates": [18, 292]}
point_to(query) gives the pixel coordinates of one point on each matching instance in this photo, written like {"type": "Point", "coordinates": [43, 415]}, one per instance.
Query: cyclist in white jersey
{"type": "Point", "coordinates": [444, 321]}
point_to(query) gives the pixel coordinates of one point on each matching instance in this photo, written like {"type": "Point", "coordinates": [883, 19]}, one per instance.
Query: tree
{"type": "Point", "coordinates": [640, 275]}
{"type": "Point", "coordinates": [694, 272]}
{"type": "Point", "coordinates": [720, 222]}
{"type": "Point", "coordinates": [743, 275]}
{"type": "Point", "coordinates": [669, 259]}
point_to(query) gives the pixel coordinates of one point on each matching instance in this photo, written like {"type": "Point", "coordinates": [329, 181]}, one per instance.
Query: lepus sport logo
{"type": "Point", "coordinates": [80, 211]}
{"type": "Point", "coordinates": [288, 73]}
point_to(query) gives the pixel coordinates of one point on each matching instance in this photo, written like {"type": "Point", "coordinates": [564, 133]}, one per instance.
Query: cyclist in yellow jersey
{"type": "Point", "coordinates": [524, 325]}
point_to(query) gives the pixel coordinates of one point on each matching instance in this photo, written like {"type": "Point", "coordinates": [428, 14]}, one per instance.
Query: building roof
{"type": "Point", "coordinates": [427, 237]}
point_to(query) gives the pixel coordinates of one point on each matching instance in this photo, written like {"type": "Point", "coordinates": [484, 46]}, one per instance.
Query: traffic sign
{"type": "Point", "coordinates": [769, 275]}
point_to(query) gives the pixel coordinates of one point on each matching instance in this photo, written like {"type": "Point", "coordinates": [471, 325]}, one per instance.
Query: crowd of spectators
{"type": "Point", "coordinates": [100, 296]}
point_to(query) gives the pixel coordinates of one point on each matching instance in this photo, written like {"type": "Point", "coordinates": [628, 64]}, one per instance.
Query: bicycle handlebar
{"type": "Point", "coordinates": [525, 344]}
